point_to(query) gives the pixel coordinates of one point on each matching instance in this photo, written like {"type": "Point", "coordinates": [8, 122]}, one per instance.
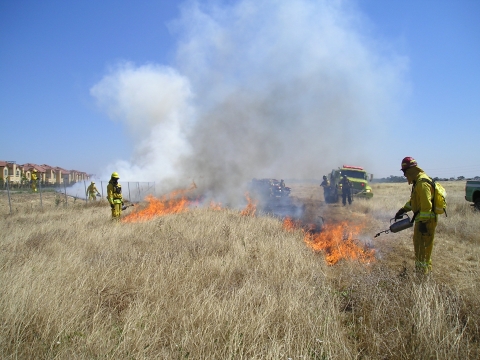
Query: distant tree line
{"type": "Point", "coordinates": [401, 179]}
{"type": "Point", "coordinates": [390, 179]}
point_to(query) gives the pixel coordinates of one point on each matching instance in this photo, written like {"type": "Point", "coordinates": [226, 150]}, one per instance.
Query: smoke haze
{"type": "Point", "coordinates": [283, 89]}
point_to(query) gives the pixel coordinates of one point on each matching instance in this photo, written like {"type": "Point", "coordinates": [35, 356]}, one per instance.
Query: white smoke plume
{"type": "Point", "coordinates": [153, 102]}
{"type": "Point", "coordinates": [284, 89]}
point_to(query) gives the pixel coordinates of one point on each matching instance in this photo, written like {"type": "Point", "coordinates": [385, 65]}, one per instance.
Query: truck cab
{"type": "Point", "coordinates": [357, 176]}
{"type": "Point", "coordinates": [472, 192]}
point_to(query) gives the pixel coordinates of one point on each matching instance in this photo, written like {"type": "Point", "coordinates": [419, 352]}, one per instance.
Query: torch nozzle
{"type": "Point", "coordinates": [384, 231]}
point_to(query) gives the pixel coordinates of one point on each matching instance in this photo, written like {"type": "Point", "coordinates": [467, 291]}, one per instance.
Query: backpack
{"type": "Point", "coordinates": [439, 201]}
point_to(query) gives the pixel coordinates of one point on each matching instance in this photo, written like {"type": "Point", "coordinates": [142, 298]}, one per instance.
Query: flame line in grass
{"type": "Point", "coordinates": [175, 203]}
{"type": "Point", "coordinates": [251, 207]}
{"type": "Point", "coordinates": [158, 207]}
{"type": "Point", "coordinates": [337, 241]}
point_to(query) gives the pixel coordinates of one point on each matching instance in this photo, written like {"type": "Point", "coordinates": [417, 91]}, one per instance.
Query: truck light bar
{"type": "Point", "coordinates": [352, 167]}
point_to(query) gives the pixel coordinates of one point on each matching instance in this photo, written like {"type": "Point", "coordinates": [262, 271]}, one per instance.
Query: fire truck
{"type": "Point", "coordinates": [357, 176]}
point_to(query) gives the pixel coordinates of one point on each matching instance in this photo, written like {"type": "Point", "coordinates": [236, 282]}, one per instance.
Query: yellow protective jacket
{"type": "Point", "coordinates": [113, 196]}
{"type": "Point", "coordinates": [421, 198]}
{"type": "Point", "coordinates": [92, 189]}
{"type": "Point", "coordinates": [33, 176]}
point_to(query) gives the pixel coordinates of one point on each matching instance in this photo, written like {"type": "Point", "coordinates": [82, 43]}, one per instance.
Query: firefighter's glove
{"type": "Point", "coordinates": [112, 206]}
{"type": "Point", "coordinates": [399, 213]}
{"type": "Point", "coordinates": [423, 228]}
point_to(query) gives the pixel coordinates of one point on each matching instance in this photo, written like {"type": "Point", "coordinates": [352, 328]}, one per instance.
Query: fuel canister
{"type": "Point", "coordinates": [400, 225]}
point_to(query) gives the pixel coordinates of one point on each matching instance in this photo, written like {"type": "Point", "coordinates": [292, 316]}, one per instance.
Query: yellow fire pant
{"type": "Point", "coordinates": [423, 245]}
{"type": "Point", "coordinates": [92, 196]}
{"type": "Point", "coordinates": [116, 211]}
{"type": "Point", "coordinates": [34, 186]}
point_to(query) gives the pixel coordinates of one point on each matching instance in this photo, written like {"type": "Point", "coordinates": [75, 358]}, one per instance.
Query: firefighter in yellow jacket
{"type": "Point", "coordinates": [33, 180]}
{"type": "Point", "coordinates": [92, 191]}
{"type": "Point", "coordinates": [425, 219]}
{"type": "Point", "coordinates": [114, 196]}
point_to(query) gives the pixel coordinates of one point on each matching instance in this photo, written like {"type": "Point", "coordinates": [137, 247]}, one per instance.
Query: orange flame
{"type": "Point", "coordinates": [289, 224]}
{"type": "Point", "coordinates": [215, 206]}
{"type": "Point", "coordinates": [173, 203]}
{"type": "Point", "coordinates": [251, 207]}
{"type": "Point", "coordinates": [337, 241]}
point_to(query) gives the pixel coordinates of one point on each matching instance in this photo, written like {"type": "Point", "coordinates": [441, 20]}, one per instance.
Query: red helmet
{"type": "Point", "coordinates": [408, 162]}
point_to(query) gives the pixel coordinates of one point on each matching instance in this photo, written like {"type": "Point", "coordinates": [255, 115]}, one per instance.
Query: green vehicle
{"type": "Point", "coordinates": [472, 192]}
{"type": "Point", "coordinates": [357, 176]}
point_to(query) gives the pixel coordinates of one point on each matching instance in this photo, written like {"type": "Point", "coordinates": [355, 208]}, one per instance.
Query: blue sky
{"type": "Point", "coordinates": [405, 80]}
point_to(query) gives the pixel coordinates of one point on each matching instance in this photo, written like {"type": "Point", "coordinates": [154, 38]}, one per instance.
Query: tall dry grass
{"type": "Point", "coordinates": [215, 284]}
{"type": "Point", "coordinates": [411, 317]}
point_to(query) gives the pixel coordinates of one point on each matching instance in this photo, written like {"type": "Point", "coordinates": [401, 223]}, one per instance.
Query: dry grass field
{"type": "Point", "coordinates": [214, 284]}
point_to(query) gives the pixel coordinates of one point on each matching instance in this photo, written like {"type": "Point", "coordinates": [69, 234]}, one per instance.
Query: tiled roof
{"type": "Point", "coordinates": [42, 168]}
{"type": "Point", "coordinates": [62, 170]}
{"type": "Point", "coordinates": [7, 163]}
{"type": "Point", "coordinates": [30, 166]}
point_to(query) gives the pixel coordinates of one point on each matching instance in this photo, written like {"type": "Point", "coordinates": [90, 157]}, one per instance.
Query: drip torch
{"type": "Point", "coordinates": [403, 223]}
{"type": "Point", "coordinates": [127, 206]}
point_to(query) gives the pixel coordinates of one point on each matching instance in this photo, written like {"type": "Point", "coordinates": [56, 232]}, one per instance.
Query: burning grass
{"type": "Point", "coordinates": [340, 241]}
{"type": "Point", "coordinates": [214, 284]}
{"type": "Point", "coordinates": [195, 284]}
{"type": "Point", "coordinates": [176, 203]}
{"type": "Point", "coordinates": [158, 207]}
{"type": "Point", "coordinates": [337, 241]}
{"type": "Point", "coordinates": [251, 207]}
